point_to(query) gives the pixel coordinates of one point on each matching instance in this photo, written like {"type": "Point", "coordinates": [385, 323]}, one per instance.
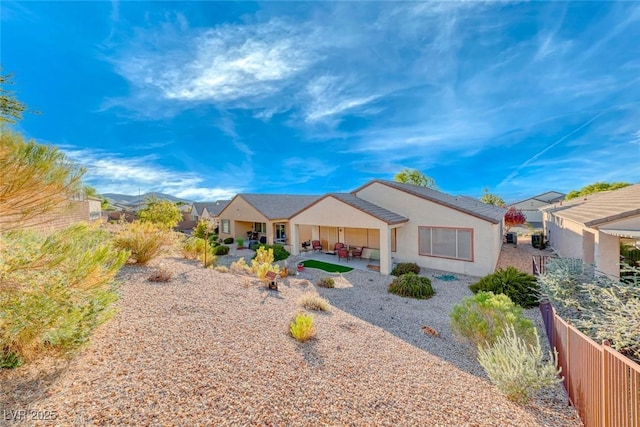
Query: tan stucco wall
{"type": "Point", "coordinates": [336, 215]}
{"type": "Point", "coordinates": [487, 237]}
{"type": "Point", "coordinates": [240, 210]}
{"type": "Point", "coordinates": [607, 256]}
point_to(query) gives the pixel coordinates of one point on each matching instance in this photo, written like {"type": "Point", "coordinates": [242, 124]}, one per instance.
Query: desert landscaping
{"type": "Point", "coordinates": [213, 348]}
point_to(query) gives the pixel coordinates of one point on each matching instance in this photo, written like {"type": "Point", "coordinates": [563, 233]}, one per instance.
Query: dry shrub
{"type": "Point", "coordinates": [222, 269]}
{"type": "Point", "coordinates": [144, 240]}
{"type": "Point", "coordinates": [162, 275]}
{"type": "Point", "coordinates": [313, 301]}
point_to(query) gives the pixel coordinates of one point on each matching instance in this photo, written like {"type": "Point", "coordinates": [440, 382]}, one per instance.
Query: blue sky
{"type": "Point", "coordinates": [203, 100]}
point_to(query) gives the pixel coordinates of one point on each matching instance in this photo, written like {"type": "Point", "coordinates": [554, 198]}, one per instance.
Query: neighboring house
{"type": "Point", "coordinates": [590, 227]}
{"type": "Point", "coordinates": [208, 210]}
{"type": "Point", "coordinates": [531, 207]}
{"type": "Point", "coordinates": [406, 223]}
{"type": "Point", "coordinates": [265, 214]}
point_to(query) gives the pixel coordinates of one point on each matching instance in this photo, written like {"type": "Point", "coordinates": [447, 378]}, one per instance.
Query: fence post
{"type": "Point", "coordinates": [605, 386]}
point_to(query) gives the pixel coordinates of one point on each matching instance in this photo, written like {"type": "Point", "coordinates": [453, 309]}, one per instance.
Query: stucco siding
{"type": "Point", "coordinates": [240, 210]}
{"type": "Point", "coordinates": [565, 237]}
{"type": "Point", "coordinates": [331, 212]}
{"type": "Point", "coordinates": [487, 237]}
{"type": "Point", "coordinates": [607, 256]}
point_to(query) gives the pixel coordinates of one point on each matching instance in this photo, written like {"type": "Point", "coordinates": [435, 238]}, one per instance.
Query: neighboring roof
{"type": "Point", "coordinates": [214, 208]}
{"type": "Point", "coordinates": [599, 208]}
{"type": "Point", "coordinates": [548, 197]}
{"type": "Point", "coordinates": [278, 206]}
{"type": "Point", "coordinates": [367, 207]}
{"type": "Point", "coordinates": [490, 213]}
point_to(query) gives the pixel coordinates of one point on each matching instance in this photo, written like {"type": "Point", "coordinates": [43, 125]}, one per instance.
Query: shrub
{"type": "Point", "coordinates": [161, 275]}
{"type": "Point", "coordinates": [404, 268]}
{"type": "Point", "coordinates": [522, 288]}
{"type": "Point", "coordinates": [482, 318]}
{"type": "Point", "coordinates": [279, 252]}
{"type": "Point", "coordinates": [221, 250]}
{"type": "Point", "coordinates": [201, 229]}
{"type": "Point", "coordinates": [240, 267]}
{"type": "Point", "coordinates": [213, 240]}
{"type": "Point", "coordinates": [516, 368]}
{"type": "Point", "coordinates": [222, 269]}
{"type": "Point", "coordinates": [254, 246]}
{"type": "Point", "coordinates": [602, 307]}
{"type": "Point", "coordinates": [412, 285]}
{"type": "Point", "coordinates": [193, 247]}
{"type": "Point", "coordinates": [55, 291]}
{"type": "Point", "coordinates": [228, 241]}
{"type": "Point", "coordinates": [263, 263]}
{"type": "Point", "coordinates": [302, 328]}
{"type": "Point", "coordinates": [327, 282]}
{"type": "Point", "coordinates": [240, 242]}
{"type": "Point", "coordinates": [313, 301]}
{"type": "Point", "coordinates": [162, 213]}
{"type": "Point", "coordinates": [144, 240]}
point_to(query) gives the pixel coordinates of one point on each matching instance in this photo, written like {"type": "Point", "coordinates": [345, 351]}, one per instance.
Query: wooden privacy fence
{"type": "Point", "coordinates": [602, 384]}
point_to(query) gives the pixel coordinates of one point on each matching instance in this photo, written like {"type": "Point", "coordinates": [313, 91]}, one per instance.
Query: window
{"type": "Point", "coordinates": [226, 226]}
{"type": "Point", "coordinates": [443, 242]}
{"type": "Point", "coordinates": [260, 227]}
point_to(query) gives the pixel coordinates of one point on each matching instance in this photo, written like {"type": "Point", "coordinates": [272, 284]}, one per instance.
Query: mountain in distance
{"type": "Point", "coordinates": [125, 201]}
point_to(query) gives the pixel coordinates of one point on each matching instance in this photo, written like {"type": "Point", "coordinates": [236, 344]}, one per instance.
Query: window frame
{"type": "Point", "coordinates": [457, 242]}
{"type": "Point", "coordinates": [227, 223]}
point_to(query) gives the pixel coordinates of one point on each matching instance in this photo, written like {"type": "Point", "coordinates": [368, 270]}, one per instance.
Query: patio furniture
{"type": "Point", "coordinates": [356, 252]}
{"type": "Point", "coordinates": [317, 246]}
{"type": "Point", "coordinates": [338, 246]}
{"type": "Point", "coordinates": [343, 253]}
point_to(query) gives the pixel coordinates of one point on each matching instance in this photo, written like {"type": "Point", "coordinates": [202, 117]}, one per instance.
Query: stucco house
{"type": "Point", "coordinates": [531, 207]}
{"type": "Point", "coordinates": [265, 214]}
{"type": "Point", "coordinates": [406, 223]}
{"type": "Point", "coordinates": [591, 228]}
{"type": "Point", "coordinates": [208, 210]}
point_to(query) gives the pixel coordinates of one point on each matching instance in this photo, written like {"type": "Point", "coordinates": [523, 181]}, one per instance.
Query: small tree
{"type": "Point", "coordinates": [415, 177]}
{"type": "Point", "coordinates": [161, 212]}
{"type": "Point", "coordinates": [492, 199]}
{"type": "Point", "coordinates": [513, 218]}
{"type": "Point", "coordinates": [596, 187]}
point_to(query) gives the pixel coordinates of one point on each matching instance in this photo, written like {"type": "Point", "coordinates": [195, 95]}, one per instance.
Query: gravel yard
{"type": "Point", "coordinates": [212, 348]}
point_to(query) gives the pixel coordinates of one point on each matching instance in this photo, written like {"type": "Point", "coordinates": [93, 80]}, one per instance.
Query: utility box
{"type": "Point", "coordinates": [511, 238]}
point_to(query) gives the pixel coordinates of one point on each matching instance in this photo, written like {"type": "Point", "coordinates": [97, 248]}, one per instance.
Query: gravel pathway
{"type": "Point", "coordinates": [212, 348]}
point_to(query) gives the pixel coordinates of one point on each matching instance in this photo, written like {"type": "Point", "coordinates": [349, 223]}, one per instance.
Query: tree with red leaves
{"type": "Point", "coordinates": [513, 217]}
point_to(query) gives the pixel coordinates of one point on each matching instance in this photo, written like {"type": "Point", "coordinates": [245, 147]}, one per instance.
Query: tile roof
{"type": "Point", "coordinates": [468, 205]}
{"type": "Point", "coordinates": [369, 208]}
{"type": "Point", "coordinates": [599, 208]}
{"type": "Point", "coordinates": [548, 197]}
{"type": "Point", "coordinates": [278, 206]}
{"type": "Point", "coordinates": [214, 208]}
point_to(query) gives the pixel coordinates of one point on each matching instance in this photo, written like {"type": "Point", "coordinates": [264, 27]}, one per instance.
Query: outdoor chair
{"type": "Point", "coordinates": [356, 252]}
{"type": "Point", "coordinates": [343, 253]}
{"type": "Point", "coordinates": [338, 246]}
{"type": "Point", "coordinates": [317, 246]}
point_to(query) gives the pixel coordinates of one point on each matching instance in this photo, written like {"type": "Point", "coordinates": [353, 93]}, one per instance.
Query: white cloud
{"type": "Point", "coordinates": [112, 173]}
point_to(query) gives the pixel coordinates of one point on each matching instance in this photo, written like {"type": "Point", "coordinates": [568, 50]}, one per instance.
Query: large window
{"type": "Point", "coordinates": [456, 243]}
{"type": "Point", "coordinates": [226, 226]}
{"type": "Point", "coordinates": [260, 227]}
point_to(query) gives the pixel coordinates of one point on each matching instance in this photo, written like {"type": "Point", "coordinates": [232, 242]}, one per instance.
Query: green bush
{"type": "Point", "coordinates": [144, 240]}
{"type": "Point", "coordinates": [240, 242]}
{"type": "Point", "coordinates": [55, 291]}
{"type": "Point", "coordinates": [522, 288]}
{"type": "Point", "coordinates": [255, 245]}
{"type": "Point", "coordinates": [482, 318]}
{"type": "Point", "coordinates": [200, 230]}
{"type": "Point", "coordinates": [327, 282]}
{"type": "Point", "coordinates": [279, 252]}
{"type": "Point", "coordinates": [516, 368]}
{"type": "Point", "coordinates": [404, 268]}
{"type": "Point", "coordinates": [221, 250]}
{"type": "Point", "coordinates": [213, 240]}
{"type": "Point", "coordinates": [302, 328]}
{"type": "Point", "coordinates": [228, 241]}
{"type": "Point", "coordinates": [412, 285]}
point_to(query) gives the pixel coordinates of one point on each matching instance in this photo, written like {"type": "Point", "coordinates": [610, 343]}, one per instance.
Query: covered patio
{"type": "Point", "coordinates": [355, 263]}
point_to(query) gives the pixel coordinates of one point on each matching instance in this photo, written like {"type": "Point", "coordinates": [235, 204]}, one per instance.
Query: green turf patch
{"type": "Point", "coordinates": [329, 268]}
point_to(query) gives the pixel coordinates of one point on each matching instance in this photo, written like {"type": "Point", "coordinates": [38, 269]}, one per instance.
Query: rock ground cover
{"type": "Point", "coordinates": [211, 348]}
